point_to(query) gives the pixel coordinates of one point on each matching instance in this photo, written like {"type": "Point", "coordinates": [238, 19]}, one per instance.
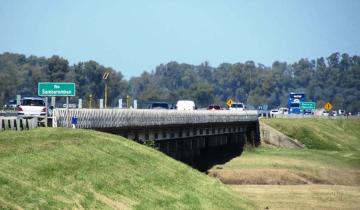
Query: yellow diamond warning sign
{"type": "Point", "coordinates": [229, 102]}
{"type": "Point", "coordinates": [328, 106]}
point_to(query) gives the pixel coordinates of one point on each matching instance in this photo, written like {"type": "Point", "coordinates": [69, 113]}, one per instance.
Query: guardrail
{"type": "Point", "coordinates": [112, 118]}
{"type": "Point", "coordinates": [7, 112]}
{"type": "Point", "coordinates": [18, 124]}
{"type": "Point", "coordinates": [296, 116]}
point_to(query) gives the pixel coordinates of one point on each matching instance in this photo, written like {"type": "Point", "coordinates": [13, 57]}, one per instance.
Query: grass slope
{"type": "Point", "coordinates": [82, 169]}
{"type": "Point", "coordinates": [333, 156]}
{"type": "Point", "coordinates": [326, 175]}
{"type": "Point", "coordinates": [323, 134]}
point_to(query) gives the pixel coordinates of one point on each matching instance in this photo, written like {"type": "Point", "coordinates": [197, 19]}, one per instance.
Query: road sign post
{"type": "Point", "coordinates": [46, 89]}
{"type": "Point", "coordinates": [47, 111]}
{"type": "Point", "coordinates": [67, 112]}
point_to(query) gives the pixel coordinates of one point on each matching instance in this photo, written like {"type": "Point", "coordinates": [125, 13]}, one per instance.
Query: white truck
{"type": "Point", "coordinates": [185, 105]}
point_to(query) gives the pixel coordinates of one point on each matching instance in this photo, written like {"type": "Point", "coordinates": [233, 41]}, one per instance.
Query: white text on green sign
{"type": "Point", "coordinates": [56, 89]}
{"type": "Point", "coordinates": [307, 105]}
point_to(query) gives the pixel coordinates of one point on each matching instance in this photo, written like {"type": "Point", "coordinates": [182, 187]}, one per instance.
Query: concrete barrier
{"type": "Point", "coordinates": [274, 137]}
{"type": "Point", "coordinates": [17, 124]}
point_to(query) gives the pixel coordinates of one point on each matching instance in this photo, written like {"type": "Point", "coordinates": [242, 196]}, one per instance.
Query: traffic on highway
{"type": "Point", "coordinates": [28, 107]}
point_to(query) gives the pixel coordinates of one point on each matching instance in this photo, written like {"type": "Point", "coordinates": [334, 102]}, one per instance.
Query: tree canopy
{"type": "Point", "coordinates": [334, 79]}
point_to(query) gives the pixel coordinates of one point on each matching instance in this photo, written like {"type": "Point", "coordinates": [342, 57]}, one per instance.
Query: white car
{"type": "Point", "coordinates": [325, 113]}
{"type": "Point", "coordinates": [333, 113]}
{"type": "Point", "coordinates": [237, 106]}
{"type": "Point", "coordinates": [274, 112]}
{"type": "Point", "coordinates": [31, 107]}
{"type": "Point", "coordinates": [185, 105]}
{"type": "Point", "coordinates": [283, 110]}
{"type": "Point", "coordinates": [341, 112]}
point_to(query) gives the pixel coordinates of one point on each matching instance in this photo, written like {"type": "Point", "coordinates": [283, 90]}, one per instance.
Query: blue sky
{"type": "Point", "coordinates": [133, 36]}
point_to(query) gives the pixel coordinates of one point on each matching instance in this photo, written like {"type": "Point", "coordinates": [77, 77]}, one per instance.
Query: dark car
{"type": "Point", "coordinates": [308, 112]}
{"type": "Point", "coordinates": [10, 104]}
{"type": "Point", "coordinates": [159, 105]}
{"type": "Point", "coordinates": [214, 107]}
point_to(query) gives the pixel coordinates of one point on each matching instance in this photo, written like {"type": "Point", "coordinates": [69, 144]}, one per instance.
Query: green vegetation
{"type": "Point", "coordinates": [322, 134]}
{"type": "Point", "coordinates": [66, 169]}
{"type": "Point", "coordinates": [325, 175]}
{"type": "Point", "coordinates": [334, 78]}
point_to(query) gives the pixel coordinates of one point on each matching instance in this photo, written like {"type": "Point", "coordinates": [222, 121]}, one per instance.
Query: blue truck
{"type": "Point", "coordinates": [294, 102]}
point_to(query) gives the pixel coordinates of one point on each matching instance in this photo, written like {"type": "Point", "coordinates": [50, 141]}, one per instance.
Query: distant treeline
{"type": "Point", "coordinates": [334, 79]}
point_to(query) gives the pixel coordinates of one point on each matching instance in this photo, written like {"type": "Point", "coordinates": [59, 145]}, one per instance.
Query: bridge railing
{"type": "Point", "coordinates": [110, 118]}
{"type": "Point", "coordinates": [301, 116]}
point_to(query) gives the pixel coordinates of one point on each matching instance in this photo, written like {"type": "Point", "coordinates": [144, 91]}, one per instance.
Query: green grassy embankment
{"type": "Point", "coordinates": [321, 134]}
{"type": "Point", "coordinates": [325, 175]}
{"type": "Point", "coordinates": [332, 157]}
{"type": "Point", "coordinates": [83, 169]}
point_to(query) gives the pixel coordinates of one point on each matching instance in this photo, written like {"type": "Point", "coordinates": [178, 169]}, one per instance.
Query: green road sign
{"type": "Point", "coordinates": [308, 105]}
{"type": "Point", "coordinates": [56, 89]}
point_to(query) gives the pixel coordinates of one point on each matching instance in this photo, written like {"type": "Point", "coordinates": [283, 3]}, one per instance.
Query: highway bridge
{"type": "Point", "coordinates": [183, 135]}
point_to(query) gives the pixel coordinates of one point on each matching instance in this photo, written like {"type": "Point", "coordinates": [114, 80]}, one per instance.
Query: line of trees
{"type": "Point", "coordinates": [20, 75]}
{"type": "Point", "coordinates": [334, 79]}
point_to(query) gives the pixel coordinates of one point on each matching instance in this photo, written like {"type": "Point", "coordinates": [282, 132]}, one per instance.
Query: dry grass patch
{"type": "Point", "coordinates": [290, 178]}
{"type": "Point", "coordinates": [296, 197]}
{"type": "Point", "coordinates": [290, 166]}
{"type": "Point", "coordinates": [287, 177]}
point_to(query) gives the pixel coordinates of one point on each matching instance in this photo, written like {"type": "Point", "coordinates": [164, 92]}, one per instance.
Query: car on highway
{"type": "Point", "coordinates": [214, 107]}
{"type": "Point", "coordinates": [333, 113]}
{"type": "Point", "coordinates": [71, 106]}
{"type": "Point", "coordinates": [31, 107]}
{"type": "Point", "coordinates": [185, 105]}
{"type": "Point", "coordinates": [308, 112]}
{"type": "Point", "coordinates": [10, 104]}
{"type": "Point", "coordinates": [159, 105]}
{"type": "Point", "coordinates": [341, 112]}
{"type": "Point", "coordinates": [283, 110]}
{"type": "Point", "coordinates": [237, 106]}
{"type": "Point", "coordinates": [324, 113]}
{"type": "Point", "coordinates": [274, 112]}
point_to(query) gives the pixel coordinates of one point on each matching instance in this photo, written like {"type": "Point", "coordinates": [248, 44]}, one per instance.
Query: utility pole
{"type": "Point", "coordinates": [105, 78]}
{"type": "Point", "coordinates": [90, 99]}
{"type": "Point", "coordinates": [127, 101]}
